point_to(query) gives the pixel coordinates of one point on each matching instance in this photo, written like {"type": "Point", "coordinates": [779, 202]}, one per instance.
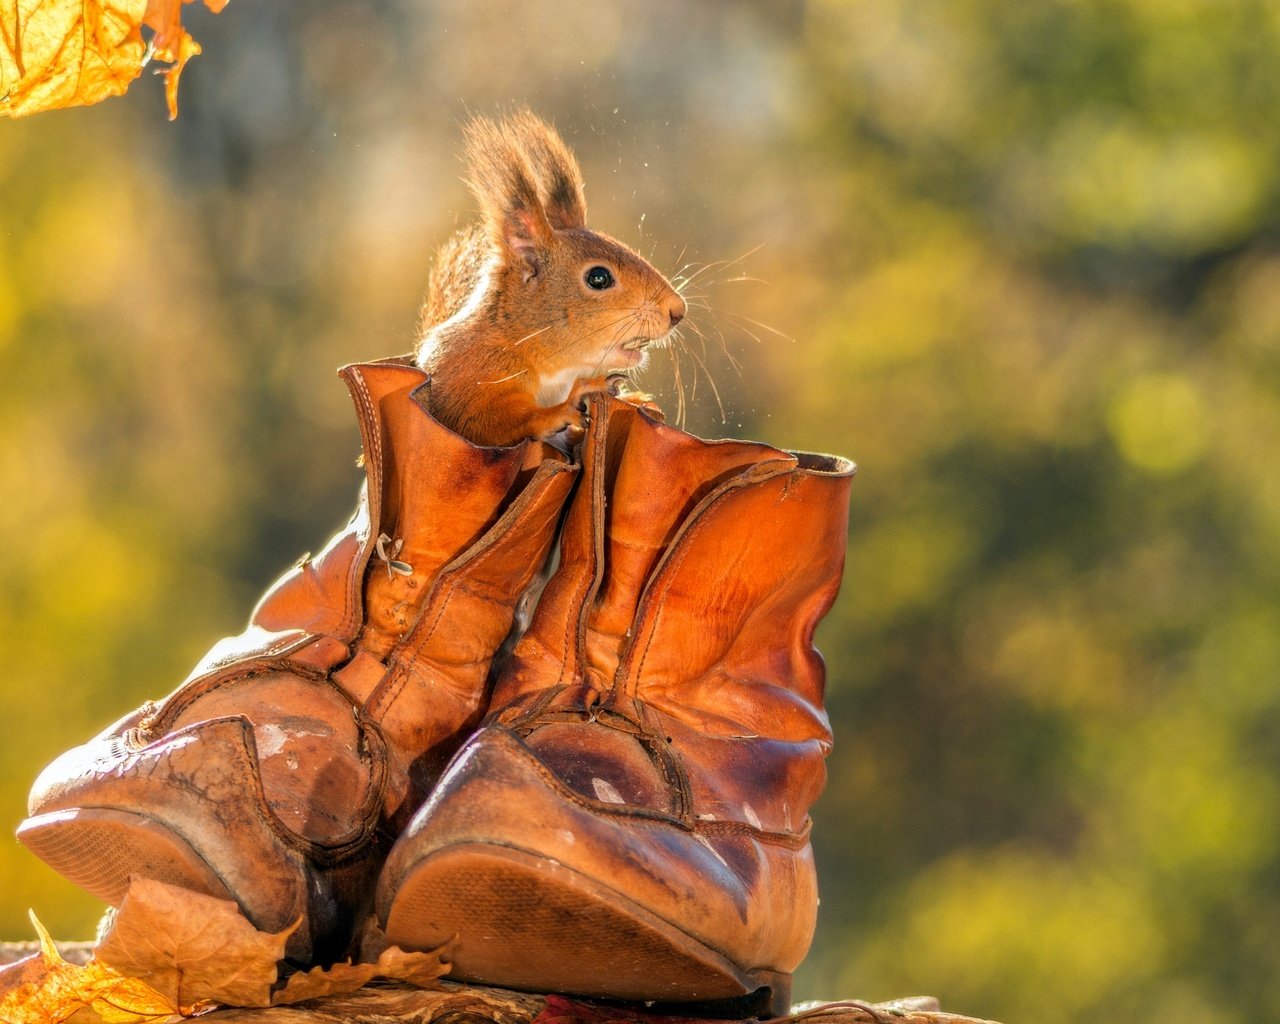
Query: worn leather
{"type": "Point", "coordinates": [282, 767]}
{"type": "Point", "coordinates": [659, 731]}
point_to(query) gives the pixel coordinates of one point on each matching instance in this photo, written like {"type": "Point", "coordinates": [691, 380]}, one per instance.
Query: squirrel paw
{"type": "Point", "coordinates": [585, 386]}
{"type": "Point", "coordinates": [572, 425]}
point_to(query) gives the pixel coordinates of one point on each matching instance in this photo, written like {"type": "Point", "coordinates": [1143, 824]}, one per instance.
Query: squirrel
{"type": "Point", "coordinates": [529, 310]}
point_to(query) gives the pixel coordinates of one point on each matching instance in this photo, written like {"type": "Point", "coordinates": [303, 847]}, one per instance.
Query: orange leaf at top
{"type": "Point", "coordinates": [173, 43]}
{"type": "Point", "coordinates": [193, 949]}
{"type": "Point", "coordinates": [64, 53]}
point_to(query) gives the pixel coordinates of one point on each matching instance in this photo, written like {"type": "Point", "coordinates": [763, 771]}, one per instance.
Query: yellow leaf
{"type": "Point", "coordinates": [48, 990]}
{"type": "Point", "coordinates": [64, 53]}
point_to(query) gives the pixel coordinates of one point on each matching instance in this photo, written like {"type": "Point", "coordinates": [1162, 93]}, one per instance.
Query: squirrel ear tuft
{"type": "Point", "coordinates": [502, 182]}
{"type": "Point", "coordinates": [555, 168]}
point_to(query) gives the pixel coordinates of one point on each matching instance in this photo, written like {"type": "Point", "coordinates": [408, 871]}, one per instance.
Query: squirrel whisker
{"type": "Point", "coordinates": [540, 330]}
{"type": "Point", "coordinates": [503, 380]}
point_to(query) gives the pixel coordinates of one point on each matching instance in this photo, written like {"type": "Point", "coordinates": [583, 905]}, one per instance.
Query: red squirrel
{"type": "Point", "coordinates": [529, 310]}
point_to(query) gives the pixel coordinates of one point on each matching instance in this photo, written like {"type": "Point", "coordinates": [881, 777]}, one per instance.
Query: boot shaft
{"type": "Point", "coordinates": [692, 577]}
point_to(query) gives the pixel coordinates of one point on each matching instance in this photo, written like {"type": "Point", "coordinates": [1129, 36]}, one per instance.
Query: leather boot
{"type": "Point", "coordinates": [631, 821]}
{"type": "Point", "coordinates": [279, 772]}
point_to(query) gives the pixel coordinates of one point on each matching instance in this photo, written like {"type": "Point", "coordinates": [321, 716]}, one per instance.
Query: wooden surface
{"type": "Point", "coordinates": [457, 1003]}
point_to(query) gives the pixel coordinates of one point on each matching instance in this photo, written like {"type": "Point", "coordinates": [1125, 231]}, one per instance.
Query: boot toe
{"type": "Point", "coordinates": [187, 810]}
{"type": "Point", "coordinates": [539, 888]}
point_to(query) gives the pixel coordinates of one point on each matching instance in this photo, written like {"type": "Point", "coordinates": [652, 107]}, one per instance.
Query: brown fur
{"type": "Point", "coordinates": [458, 266]}
{"type": "Point", "coordinates": [512, 335]}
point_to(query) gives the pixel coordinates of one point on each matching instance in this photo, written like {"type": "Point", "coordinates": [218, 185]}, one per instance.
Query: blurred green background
{"type": "Point", "coordinates": [1020, 260]}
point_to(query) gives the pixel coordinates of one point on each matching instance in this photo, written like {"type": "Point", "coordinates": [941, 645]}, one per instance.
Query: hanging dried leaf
{"type": "Point", "coordinates": [66, 53]}
{"type": "Point", "coordinates": [420, 969]}
{"type": "Point", "coordinates": [45, 989]}
{"type": "Point", "coordinates": [173, 43]}
{"type": "Point", "coordinates": [193, 949]}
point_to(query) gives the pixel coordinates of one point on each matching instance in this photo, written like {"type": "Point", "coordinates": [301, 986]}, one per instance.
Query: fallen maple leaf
{"type": "Point", "coordinates": [170, 951]}
{"type": "Point", "coordinates": [192, 948]}
{"type": "Point", "coordinates": [420, 969]}
{"type": "Point", "coordinates": [66, 53]}
{"type": "Point", "coordinates": [45, 989]}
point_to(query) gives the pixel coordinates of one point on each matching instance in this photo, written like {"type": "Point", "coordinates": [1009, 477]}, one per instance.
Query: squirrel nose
{"type": "Point", "coordinates": [676, 310]}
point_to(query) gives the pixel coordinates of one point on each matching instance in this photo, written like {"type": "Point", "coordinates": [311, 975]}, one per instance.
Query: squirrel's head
{"type": "Point", "coordinates": [584, 303]}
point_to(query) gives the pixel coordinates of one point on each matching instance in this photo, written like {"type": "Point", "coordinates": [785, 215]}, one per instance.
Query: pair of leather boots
{"type": "Point", "coordinates": [615, 804]}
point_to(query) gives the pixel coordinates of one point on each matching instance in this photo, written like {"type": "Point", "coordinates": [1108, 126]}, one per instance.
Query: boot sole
{"type": "Point", "coordinates": [521, 921]}
{"type": "Point", "coordinates": [100, 849]}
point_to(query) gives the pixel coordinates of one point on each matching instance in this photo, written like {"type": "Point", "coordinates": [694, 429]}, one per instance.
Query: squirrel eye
{"type": "Point", "coordinates": [599, 278]}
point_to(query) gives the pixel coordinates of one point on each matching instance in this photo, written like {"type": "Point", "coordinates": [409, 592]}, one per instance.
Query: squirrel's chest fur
{"type": "Point", "coordinates": [553, 387]}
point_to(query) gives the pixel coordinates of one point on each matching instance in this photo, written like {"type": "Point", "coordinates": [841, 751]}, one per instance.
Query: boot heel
{"type": "Point", "coordinates": [773, 997]}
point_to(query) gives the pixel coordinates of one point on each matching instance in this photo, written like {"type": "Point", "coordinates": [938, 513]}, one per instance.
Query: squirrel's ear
{"type": "Point", "coordinates": [502, 183]}
{"type": "Point", "coordinates": [525, 234]}
{"type": "Point", "coordinates": [556, 169]}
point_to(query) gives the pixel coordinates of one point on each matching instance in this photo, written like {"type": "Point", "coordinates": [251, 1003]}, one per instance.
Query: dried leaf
{"type": "Point", "coordinates": [173, 43]}
{"type": "Point", "coordinates": [26, 971]}
{"type": "Point", "coordinates": [63, 53]}
{"type": "Point", "coordinates": [192, 948]}
{"type": "Point", "coordinates": [66, 53]}
{"type": "Point", "coordinates": [420, 969]}
{"type": "Point", "coordinates": [45, 989]}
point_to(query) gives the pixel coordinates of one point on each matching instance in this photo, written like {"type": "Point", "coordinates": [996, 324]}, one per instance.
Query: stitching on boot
{"type": "Point", "coordinates": [684, 542]}
{"type": "Point", "coordinates": [598, 508]}
{"type": "Point", "coordinates": [660, 753]}
{"type": "Point", "coordinates": [789, 840]}
{"type": "Point", "coordinates": [583, 592]}
{"type": "Point", "coordinates": [668, 758]}
{"type": "Point", "coordinates": [248, 759]}
{"type": "Point", "coordinates": [372, 746]}
{"type": "Point", "coordinates": [649, 816]}
{"type": "Point", "coordinates": [632, 811]}
{"type": "Point", "coordinates": [161, 713]}
{"type": "Point", "coordinates": [524, 722]}
{"type": "Point", "coordinates": [371, 432]}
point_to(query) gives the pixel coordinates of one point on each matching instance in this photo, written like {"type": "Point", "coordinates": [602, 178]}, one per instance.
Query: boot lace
{"type": "Point", "coordinates": [394, 566]}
